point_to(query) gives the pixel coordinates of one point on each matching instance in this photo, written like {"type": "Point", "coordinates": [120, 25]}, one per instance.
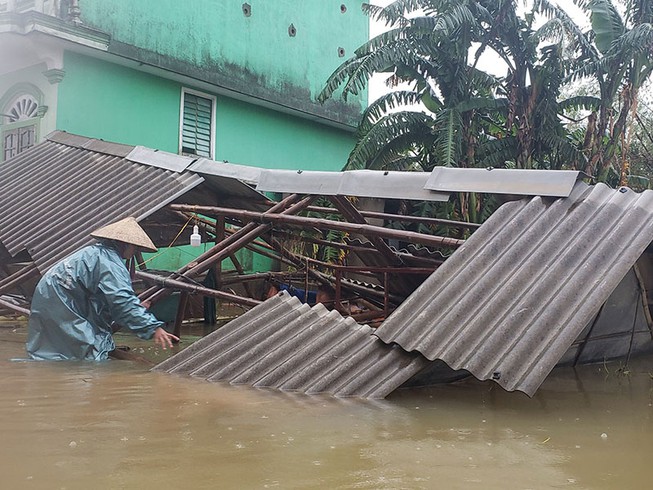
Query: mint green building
{"type": "Point", "coordinates": [224, 79]}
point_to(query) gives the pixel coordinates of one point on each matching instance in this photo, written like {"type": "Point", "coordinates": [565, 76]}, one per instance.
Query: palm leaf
{"type": "Point", "coordinates": [606, 23]}
{"type": "Point", "coordinates": [378, 139]}
{"type": "Point", "coordinates": [386, 103]}
{"type": "Point", "coordinates": [580, 102]}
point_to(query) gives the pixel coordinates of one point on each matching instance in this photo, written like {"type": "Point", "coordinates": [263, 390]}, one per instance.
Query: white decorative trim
{"type": "Point", "coordinates": [54, 75]}
{"type": "Point", "coordinates": [24, 107]}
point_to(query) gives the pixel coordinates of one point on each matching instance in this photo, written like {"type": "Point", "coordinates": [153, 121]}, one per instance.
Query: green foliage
{"type": "Point", "coordinates": [450, 112]}
{"type": "Point", "coordinates": [322, 252]}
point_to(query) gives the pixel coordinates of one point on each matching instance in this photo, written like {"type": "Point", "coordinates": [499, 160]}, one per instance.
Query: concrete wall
{"type": "Point", "coordinates": [103, 100]}
{"type": "Point", "coordinates": [30, 80]}
{"type": "Point", "coordinates": [117, 96]}
{"type": "Point", "coordinates": [252, 135]}
{"type": "Point", "coordinates": [217, 36]}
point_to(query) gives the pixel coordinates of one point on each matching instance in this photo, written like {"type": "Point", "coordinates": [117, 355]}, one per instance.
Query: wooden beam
{"type": "Point", "coordinates": [351, 214]}
{"type": "Point", "coordinates": [181, 313]}
{"type": "Point", "coordinates": [402, 217]}
{"type": "Point", "coordinates": [28, 272]}
{"type": "Point", "coordinates": [229, 245]}
{"type": "Point", "coordinates": [193, 288]}
{"type": "Point", "coordinates": [302, 222]}
{"type": "Point", "coordinates": [16, 308]}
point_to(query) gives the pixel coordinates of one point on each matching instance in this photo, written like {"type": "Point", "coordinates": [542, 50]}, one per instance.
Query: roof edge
{"type": "Point", "coordinates": [32, 21]}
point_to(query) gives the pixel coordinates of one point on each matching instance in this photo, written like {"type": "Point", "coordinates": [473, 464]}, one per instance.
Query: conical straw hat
{"type": "Point", "coordinates": [128, 231]}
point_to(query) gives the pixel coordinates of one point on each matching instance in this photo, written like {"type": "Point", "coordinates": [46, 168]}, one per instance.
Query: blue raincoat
{"type": "Point", "coordinates": [76, 301]}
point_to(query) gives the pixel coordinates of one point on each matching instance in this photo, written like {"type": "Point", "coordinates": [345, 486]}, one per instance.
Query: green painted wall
{"type": "Point", "coordinates": [216, 35]}
{"type": "Point", "coordinates": [256, 136]}
{"type": "Point", "coordinates": [114, 103]}
{"type": "Point", "coordinates": [108, 101]}
{"type": "Point", "coordinates": [103, 100]}
{"type": "Point", "coordinates": [173, 258]}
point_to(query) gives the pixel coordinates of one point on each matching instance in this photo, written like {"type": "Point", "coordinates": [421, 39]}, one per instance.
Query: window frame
{"type": "Point", "coordinates": [25, 123]}
{"type": "Point", "coordinates": [203, 95]}
{"type": "Point", "coordinates": [10, 97]}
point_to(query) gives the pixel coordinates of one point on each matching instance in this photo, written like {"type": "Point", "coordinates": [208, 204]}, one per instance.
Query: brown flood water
{"type": "Point", "coordinates": [80, 425]}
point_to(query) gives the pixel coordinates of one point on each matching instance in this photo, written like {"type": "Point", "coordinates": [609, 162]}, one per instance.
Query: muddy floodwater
{"type": "Point", "coordinates": [114, 424]}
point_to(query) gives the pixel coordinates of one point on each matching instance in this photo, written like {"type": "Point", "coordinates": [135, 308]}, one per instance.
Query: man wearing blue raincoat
{"type": "Point", "coordinates": [78, 299]}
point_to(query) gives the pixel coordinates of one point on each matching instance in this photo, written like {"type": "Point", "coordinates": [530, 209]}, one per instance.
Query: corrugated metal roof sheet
{"type": "Point", "coordinates": [287, 345]}
{"type": "Point", "coordinates": [233, 183]}
{"type": "Point", "coordinates": [410, 250]}
{"type": "Point", "coordinates": [243, 173]}
{"type": "Point", "coordinates": [556, 183]}
{"type": "Point", "coordinates": [620, 330]}
{"type": "Point", "coordinates": [360, 183]}
{"type": "Point", "coordinates": [160, 159]}
{"type": "Point", "coordinates": [56, 193]}
{"type": "Point", "coordinates": [509, 303]}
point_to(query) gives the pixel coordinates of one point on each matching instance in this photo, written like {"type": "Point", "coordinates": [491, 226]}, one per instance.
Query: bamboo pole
{"type": "Point", "coordinates": [401, 217]}
{"type": "Point", "coordinates": [16, 308]}
{"type": "Point", "coordinates": [193, 288]}
{"type": "Point", "coordinates": [299, 221]}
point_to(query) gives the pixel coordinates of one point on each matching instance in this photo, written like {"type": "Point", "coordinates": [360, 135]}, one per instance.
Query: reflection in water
{"type": "Point", "coordinates": [116, 425]}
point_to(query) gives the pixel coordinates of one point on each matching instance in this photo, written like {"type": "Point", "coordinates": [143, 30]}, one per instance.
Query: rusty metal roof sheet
{"type": "Point", "coordinates": [287, 345]}
{"type": "Point", "coordinates": [56, 193]}
{"type": "Point", "coordinates": [509, 303]}
{"type": "Point", "coordinates": [556, 183]}
{"type": "Point", "coordinates": [360, 183]}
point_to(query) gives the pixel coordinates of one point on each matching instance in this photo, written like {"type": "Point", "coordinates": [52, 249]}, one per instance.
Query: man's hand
{"type": "Point", "coordinates": [163, 338]}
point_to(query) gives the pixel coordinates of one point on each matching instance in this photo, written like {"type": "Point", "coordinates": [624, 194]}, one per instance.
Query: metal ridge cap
{"type": "Point", "coordinates": [87, 143]}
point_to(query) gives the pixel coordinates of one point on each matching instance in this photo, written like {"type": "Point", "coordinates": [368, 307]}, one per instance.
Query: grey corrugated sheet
{"type": "Point", "coordinates": [287, 345]}
{"type": "Point", "coordinates": [243, 173]}
{"type": "Point", "coordinates": [360, 183]}
{"type": "Point", "coordinates": [509, 303]}
{"type": "Point", "coordinates": [55, 194]}
{"type": "Point", "coordinates": [620, 330]}
{"type": "Point", "coordinates": [233, 183]}
{"type": "Point", "coordinates": [410, 250]}
{"type": "Point", "coordinates": [160, 159]}
{"type": "Point", "coordinates": [556, 183]}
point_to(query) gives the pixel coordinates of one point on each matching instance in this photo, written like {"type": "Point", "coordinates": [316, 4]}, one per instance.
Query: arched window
{"type": "Point", "coordinates": [20, 119]}
{"type": "Point", "coordinates": [24, 107]}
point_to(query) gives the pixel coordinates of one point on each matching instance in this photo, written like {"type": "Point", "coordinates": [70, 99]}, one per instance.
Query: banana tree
{"type": "Point", "coordinates": [618, 54]}
{"type": "Point", "coordinates": [453, 113]}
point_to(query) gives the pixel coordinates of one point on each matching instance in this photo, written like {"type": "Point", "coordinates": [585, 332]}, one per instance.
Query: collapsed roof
{"type": "Point", "coordinates": [287, 345]}
{"type": "Point", "coordinates": [507, 305]}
